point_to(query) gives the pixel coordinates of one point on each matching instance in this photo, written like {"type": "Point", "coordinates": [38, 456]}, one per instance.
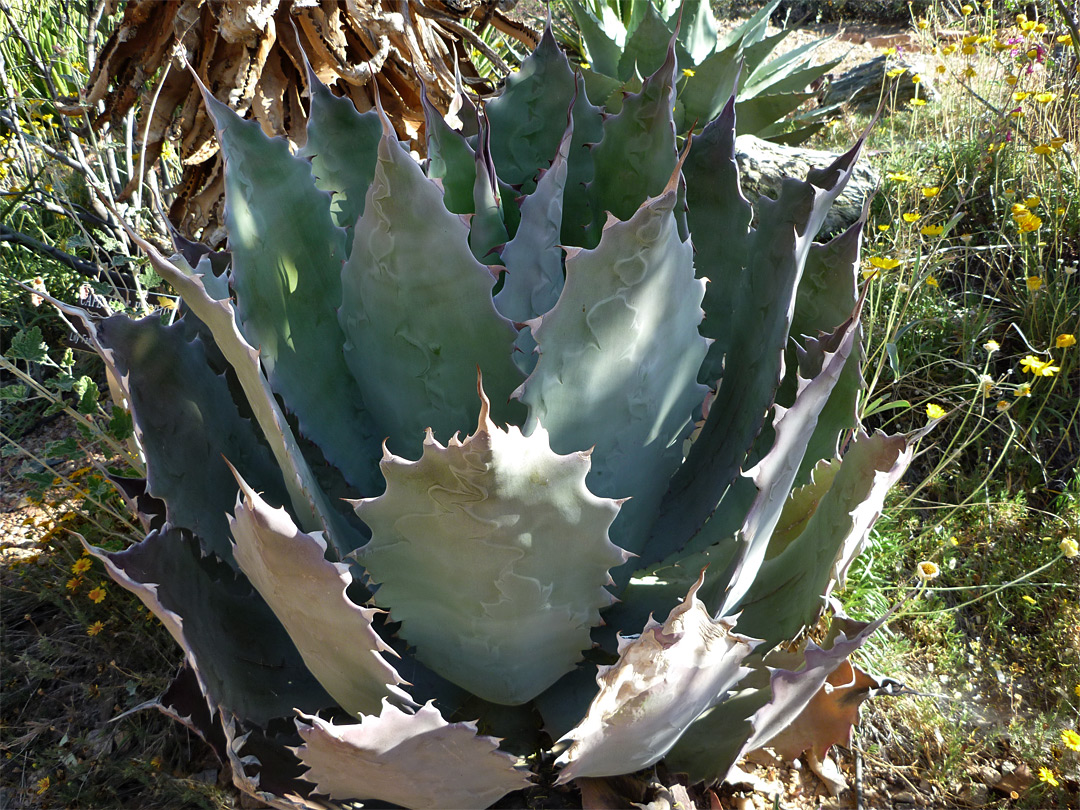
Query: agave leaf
{"type": "Point", "coordinates": [418, 373]}
{"type": "Point", "coordinates": [758, 112]}
{"type": "Point", "coordinates": [505, 610]}
{"type": "Point", "coordinates": [754, 53]}
{"type": "Point", "coordinates": [794, 82]}
{"type": "Point", "coordinates": [774, 475]}
{"type": "Point", "coordinates": [618, 361]}
{"type": "Point", "coordinates": [704, 95]}
{"type": "Point", "coordinates": [635, 158]}
{"type": "Point", "coordinates": [187, 423]}
{"type": "Point", "coordinates": [603, 39]}
{"type": "Point", "coordinates": [648, 45]}
{"type": "Point", "coordinates": [487, 229]}
{"type": "Point", "coordinates": [264, 768]}
{"type": "Point", "coordinates": [345, 173]}
{"type": "Point", "coordinates": [309, 504]}
{"type": "Point", "coordinates": [529, 117]}
{"type": "Point", "coordinates": [786, 596]}
{"type": "Point", "coordinates": [380, 757]}
{"type": "Point", "coordinates": [242, 656]}
{"type": "Point", "coordinates": [752, 30]}
{"type": "Point", "coordinates": [307, 594]}
{"type": "Point", "coordinates": [663, 679]}
{"type": "Point", "coordinates": [788, 64]}
{"type": "Point", "coordinates": [748, 312]}
{"type": "Point", "coordinates": [697, 32]}
{"type": "Point", "coordinates": [533, 258]}
{"type": "Point", "coordinates": [450, 159]}
{"type": "Point", "coordinates": [773, 697]}
{"type": "Point", "coordinates": [827, 292]}
{"type": "Point", "coordinates": [286, 271]}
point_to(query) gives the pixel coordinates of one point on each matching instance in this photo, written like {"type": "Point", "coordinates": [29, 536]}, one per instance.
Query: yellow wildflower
{"type": "Point", "coordinates": [970, 72]}
{"type": "Point", "coordinates": [968, 50]}
{"type": "Point", "coordinates": [97, 595]}
{"type": "Point", "coordinates": [870, 275]}
{"type": "Point", "coordinates": [1029, 223]}
{"type": "Point", "coordinates": [931, 191]}
{"type": "Point", "coordinates": [1018, 210]}
{"type": "Point", "coordinates": [1028, 599]}
{"type": "Point", "coordinates": [1048, 776]}
{"type": "Point", "coordinates": [917, 102]}
{"type": "Point", "coordinates": [934, 411]}
{"type": "Point", "coordinates": [1057, 143]}
{"type": "Point", "coordinates": [166, 303]}
{"type": "Point", "coordinates": [1003, 405]}
{"type": "Point", "coordinates": [986, 384]}
{"type": "Point", "coordinates": [931, 281]}
{"type": "Point", "coordinates": [923, 24]}
{"type": "Point", "coordinates": [948, 49]}
{"type": "Point", "coordinates": [1040, 368]}
{"type": "Point", "coordinates": [1043, 149]}
{"type": "Point", "coordinates": [73, 583]}
{"type": "Point", "coordinates": [1027, 25]}
{"type": "Point", "coordinates": [992, 346]}
{"type": "Point", "coordinates": [940, 68]}
{"type": "Point", "coordinates": [95, 628]}
{"type": "Point", "coordinates": [899, 177]}
{"type": "Point", "coordinates": [883, 228]}
{"type": "Point", "coordinates": [1066, 40]}
{"type": "Point", "coordinates": [1064, 341]}
{"type": "Point", "coordinates": [911, 216]}
{"type": "Point", "coordinates": [1011, 80]}
{"type": "Point", "coordinates": [916, 78]}
{"type": "Point", "coordinates": [1023, 390]}
{"type": "Point", "coordinates": [1068, 736]}
{"type": "Point", "coordinates": [1034, 283]}
{"type": "Point", "coordinates": [1070, 548]}
{"type": "Point", "coordinates": [1032, 201]}
{"type": "Point", "coordinates": [932, 230]}
{"type": "Point", "coordinates": [687, 72]}
{"type": "Point", "coordinates": [1019, 95]}
{"type": "Point", "coordinates": [966, 9]}
{"type": "Point", "coordinates": [42, 785]}
{"type": "Point", "coordinates": [892, 74]}
{"type": "Point", "coordinates": [1000, 46]}
{"type": "Point", "coordinates": [1045, 98]}
{"type": "Point", "coordinates": [1040, 28]}
{"type": "Point", "coordinates": [884, 262]}
{"type": "Point", "coordinates": [81, 566]}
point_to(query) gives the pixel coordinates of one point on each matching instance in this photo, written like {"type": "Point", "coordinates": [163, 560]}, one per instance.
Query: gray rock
{"type": "Point", "coordinates": [861, 86]}
{"type": "Point", "coordinates": [763, 165]}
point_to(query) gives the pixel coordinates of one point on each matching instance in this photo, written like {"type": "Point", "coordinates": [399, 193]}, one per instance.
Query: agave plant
{"type": "Point", "coordinates": [656, 382]}
{"type": "Point", "coordinates": [622, 40]}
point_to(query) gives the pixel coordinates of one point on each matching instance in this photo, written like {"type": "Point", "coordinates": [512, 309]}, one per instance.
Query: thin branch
{"type": "Point", "coordinates": [80, 266]}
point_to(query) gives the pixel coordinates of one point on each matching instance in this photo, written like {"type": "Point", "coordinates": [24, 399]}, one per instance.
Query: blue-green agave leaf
{"type": "Point", "coordinates": [697, 32]}
{"type": "Point", "coordinates": [751, 31]}
{"type": "Point", "coordinates": [487, 228]}
{"type": "Point", "coordinates": [703, 96]}
{"type": "Point", "coordinates": [827, 292]}
{"type": "Point", "coordinates": [380, 758]}
{"type": "Point", "coordinates": [635, 158]}
{"type": "Point", "coordinates": [648, 45]}
{"type": "Point", "coordinates": [529, 117]}
{"type": "Point", "coordinates": [345, 172]}
{"type": "Point", "coordinates": [664, 678]}
{"type": "Point", "coordinates": [758, 112]}
{"type": "Point", "coordinates": [307, 594]}
{"type": "Point", "coordinates": [619, 355]}
{"type": "Point", "coordinates": [774, 475]}
{"type": "Point", "coordinates": [286, 272]}
{"type": "Point", "coordinates": [748, 306]}
{"type": "Point", "coordinates": [534, 258]}
{"type": "Point", "coordinates": [505, 609]}
{"type": "Point", "coordinates": [242, 656]}
{"type": "Point", "coordinates": [787, 594]}
{"type": "Point", "coordinates": [411, 255]}
{"type": "Point", "coordinates": [187, 424]}
{"type": "Point", "coordinates": [603, 39]}
{"type": "Point", "coordinates": [310, 505]}
{"type": "Point", "coordinates": [451, 160]}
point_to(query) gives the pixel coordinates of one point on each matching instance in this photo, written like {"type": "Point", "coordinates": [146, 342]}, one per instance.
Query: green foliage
{"type": "Point", "coordinates": [657, 430]}
{"type": "Point", "coordinates": [622, 41]}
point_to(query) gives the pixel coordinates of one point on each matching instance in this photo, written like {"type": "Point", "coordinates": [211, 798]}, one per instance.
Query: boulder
{"type": "Point", "coordinates": [861, 86]}
{"type": "Point", "coordinates": [762, 166]}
